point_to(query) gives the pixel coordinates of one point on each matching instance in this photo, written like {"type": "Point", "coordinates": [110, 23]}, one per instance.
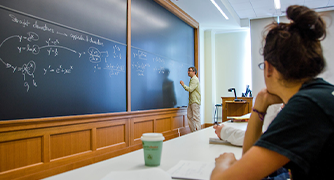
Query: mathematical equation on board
{"type": "Point", "coordinates": [32, 43]}
{"type": "Point", "coordinates": [143, 64]}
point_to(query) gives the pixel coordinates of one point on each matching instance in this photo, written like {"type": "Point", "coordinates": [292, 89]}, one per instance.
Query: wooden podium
{"type": "Point", "coordinates": [236, 108]}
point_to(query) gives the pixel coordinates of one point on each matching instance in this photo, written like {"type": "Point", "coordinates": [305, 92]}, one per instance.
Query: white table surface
{"type": "Point", "coordinates": [192, 147]}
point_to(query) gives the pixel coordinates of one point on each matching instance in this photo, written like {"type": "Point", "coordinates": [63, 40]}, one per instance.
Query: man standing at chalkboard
{"type": "Point", "coordinates": [193, 111]}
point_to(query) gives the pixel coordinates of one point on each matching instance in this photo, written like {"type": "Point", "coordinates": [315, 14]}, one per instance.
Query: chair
{"type": "Point", "coordinates": [216, 112]}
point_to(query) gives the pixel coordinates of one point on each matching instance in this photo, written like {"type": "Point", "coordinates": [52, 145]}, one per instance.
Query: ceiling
{"type": "Point", "coordinates": [240, 11]}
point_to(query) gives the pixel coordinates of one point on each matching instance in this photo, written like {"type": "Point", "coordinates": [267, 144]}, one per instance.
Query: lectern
{"type": "Point", "coordinates": [236, 108]}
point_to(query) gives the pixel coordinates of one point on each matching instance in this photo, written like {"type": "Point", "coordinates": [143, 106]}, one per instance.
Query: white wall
{"type": "Point", "coordinates": [209, 83]}
{"type": "Point", "coordinates": [327, 46]}
{"type": "Point", "coordinates": [257, 27]}
{"type": "Point", "coordinates": [227, 64]}
{"type": "Point", "coordinates": [233, 63]}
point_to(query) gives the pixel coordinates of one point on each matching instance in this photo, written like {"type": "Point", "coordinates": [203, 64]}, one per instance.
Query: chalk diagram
{"type": "Point", "coordinates": [96, 56]}
{"type": "Point", "coordinates": [114, 69]}
{"type": "Point", "coordinates": [140, 54]}
{"type": "Point", "coordinates": [32, 43]}
{"type": "Point", "coordinates": [117, 52]}
{"type": "Point", "coordinates": [28, 69]}
{"type": "Point", "coordinates": [140, 67]}
{"type": "Point", "coordinates": [161, 68]}
{"type": "Point", "coordinates": [58, 70]}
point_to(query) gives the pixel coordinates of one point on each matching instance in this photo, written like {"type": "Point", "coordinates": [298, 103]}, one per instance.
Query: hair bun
{"type": "Point", "coordinates": [307, 21]}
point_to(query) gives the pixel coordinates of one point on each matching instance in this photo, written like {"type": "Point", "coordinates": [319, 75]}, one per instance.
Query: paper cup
{"type": "Point", "coordinates": [152, 145]}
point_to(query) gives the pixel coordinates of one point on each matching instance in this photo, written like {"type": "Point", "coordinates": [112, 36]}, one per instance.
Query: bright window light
{"type": "Point", "coordinates": [277, 4]}
{"type": "Point", "coordinates": [220, 10]}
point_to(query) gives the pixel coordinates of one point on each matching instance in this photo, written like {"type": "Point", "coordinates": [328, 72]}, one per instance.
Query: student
{"type": "Point", "coordinates": [193, 110]}
{"type": "Point", "coordinates": [236, 136]}
{"type": "Point", "coordinates": [301, 137]}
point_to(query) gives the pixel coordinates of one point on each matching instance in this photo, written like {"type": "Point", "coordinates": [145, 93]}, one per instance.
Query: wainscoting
{"type": "Point", "coordinates": [38, 148]}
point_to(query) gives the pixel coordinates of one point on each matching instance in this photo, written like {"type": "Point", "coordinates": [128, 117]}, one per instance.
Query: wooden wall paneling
{"type": "Point", "coordinates": [95, 132]}
{"type": "Point", "coordinates": [163, 125]}
{"type": "Point", "coordinates": [185, 129]}
{"type": "Point", "coordinates": [110, 135]}
{"type": "Point", "coordinates": [132, 135]}
{"type": "Point", "coordinates": [20, 153]}
{"type": "Point", "coordinates": [127, 132]}
{"type": "Point", "coordinates": [93, 139]}
{"type": "Point", "coordinates": [140, 126]}
{"type": "Point", "coordinates": [177, 122]}
{"type": "Point", "coordinates": [70, 143]}
{"type": "Point", "coordinates": [46, 148]}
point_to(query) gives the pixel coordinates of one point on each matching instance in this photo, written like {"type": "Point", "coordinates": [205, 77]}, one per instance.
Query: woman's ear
{"type": "Point", "coordinates": [268, 68]}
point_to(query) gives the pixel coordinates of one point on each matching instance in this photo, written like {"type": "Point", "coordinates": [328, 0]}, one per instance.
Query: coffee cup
{"type": "Point", "coordinates": [152, 146]}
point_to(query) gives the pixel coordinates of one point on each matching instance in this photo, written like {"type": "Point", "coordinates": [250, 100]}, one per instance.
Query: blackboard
{"type": "Point", "coordinates": [162, 51]}
{"type": "Point", "coordinates": [62, 58]}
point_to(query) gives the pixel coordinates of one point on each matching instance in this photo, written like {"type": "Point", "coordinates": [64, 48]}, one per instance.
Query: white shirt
{"type": "Point", "coordinates": [236, 136]}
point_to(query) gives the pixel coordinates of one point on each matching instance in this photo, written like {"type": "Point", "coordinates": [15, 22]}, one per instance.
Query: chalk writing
{"type": "Point", "coordinates": [31, 37]}
{"type": "Point", "coordinates": [87, 39]}
{"type": "Point", "coordinates": [58, 70]}
{"type": "Point", "coordinates": [95, 55]}
{"type": "Point", "coordinates": [29, 69]}
{"type": "Point", "coordinates": [161, 70]}
{"type": "Point", "coordinates": [63, 34]}
{"type": "Point", "coordinates": [140, 54]}
{"type": "Point", "coordinates": [53, 42]}
{"type": "Point", "coordinates": [32, 43]}
{"type": "Point", "coordinates": [157, 59]}
{"type": "Point", "coordinates": [140, 68]}
{"type": "Point", "coordinates": [43, 28]}
{"type": "Point", "coordinates": [117, 52]}
{"type": "Point", "coordinates": [26, 69]}
{"type": "Point", "coordinates": [33, 49]}
{"type": "Point", "coordinates": [55, 51]}
{"type": "Point", "coordinates": [114, 69]}
{"type": "Point", "coordinates": [23, 22]}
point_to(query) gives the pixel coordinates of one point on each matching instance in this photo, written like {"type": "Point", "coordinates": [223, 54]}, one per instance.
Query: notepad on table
{"type": "Point", "coordinates": [192, 170]}
{"type": "Point", "coordinates": [216, 140]}
{"type": "Point", "coordinates": [141, 174]}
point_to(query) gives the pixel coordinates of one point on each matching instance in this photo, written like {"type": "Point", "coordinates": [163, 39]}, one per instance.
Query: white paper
{"type": "Point", "coordinates": [192, 170]}
{"type": "Point", "coordinates": [143, 174]}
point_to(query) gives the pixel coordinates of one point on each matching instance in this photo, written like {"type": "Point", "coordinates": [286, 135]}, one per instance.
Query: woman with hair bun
{"type": "Point", "coordinates": [301, 137]}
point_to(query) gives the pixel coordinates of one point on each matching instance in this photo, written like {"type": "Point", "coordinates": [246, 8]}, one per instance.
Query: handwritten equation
{"type": "Point", "coordinates": [53, 47]}
{"type": "Point", "coordinates": [25, 69]}
{"type": "Point", "coordinates": [140, 67]}
{"type": "Point", "coordinates": [58, 70]}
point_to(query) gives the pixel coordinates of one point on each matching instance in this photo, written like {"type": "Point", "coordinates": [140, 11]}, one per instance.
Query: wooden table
{"type": "Point", "coordinates": [236, 108]}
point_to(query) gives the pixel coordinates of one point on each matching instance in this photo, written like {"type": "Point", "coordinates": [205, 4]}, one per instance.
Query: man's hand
{"type": "Point", "coordinates": [182, 83]}
{"type": "Point", "coordinates": [218, 129]}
